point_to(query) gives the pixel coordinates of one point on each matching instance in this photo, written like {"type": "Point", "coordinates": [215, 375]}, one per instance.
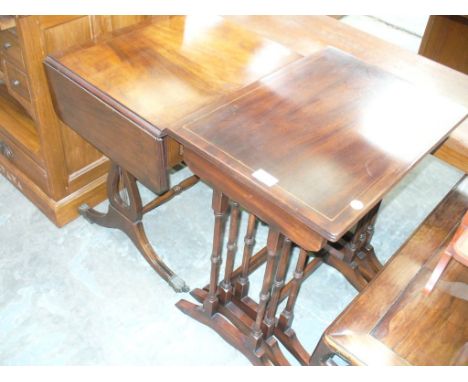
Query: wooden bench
{"type": "Point", "coordinates": [392, 322]}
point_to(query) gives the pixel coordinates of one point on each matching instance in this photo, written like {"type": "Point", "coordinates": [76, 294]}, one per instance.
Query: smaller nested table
{"type": "Point", "coordinates": [311, 150]}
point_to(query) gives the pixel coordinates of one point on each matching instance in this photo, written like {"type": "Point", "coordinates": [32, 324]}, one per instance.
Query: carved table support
{"type": "Point", "coordinates": [353, 255]}
{"type": "Point", "coordinates": [126, 211]}
{"type": "Point", "coordinates": [255, 328]}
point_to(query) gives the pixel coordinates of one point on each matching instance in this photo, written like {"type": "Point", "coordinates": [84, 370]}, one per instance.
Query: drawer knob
{"type": "Point", "coordinates": [6, 150]}
{"type": "Point", "coordinates": [15, 83]}
{"type": "Point", "coordinates": [7, 45]}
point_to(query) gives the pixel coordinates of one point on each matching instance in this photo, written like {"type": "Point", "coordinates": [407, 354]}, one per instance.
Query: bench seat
{"type": "Point", "coordinates": [392, 322]}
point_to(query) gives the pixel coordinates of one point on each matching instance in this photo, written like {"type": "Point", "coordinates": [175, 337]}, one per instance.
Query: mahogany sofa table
{"type": "Point", "coordinates": [311, 150]}
{"type": "Point", "coordinates": [122, 94]}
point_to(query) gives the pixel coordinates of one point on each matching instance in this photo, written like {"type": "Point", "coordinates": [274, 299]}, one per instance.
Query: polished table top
{"type": "Point", "coordinates": [324, 138]}
{"type": "Point", "coordinates": [159, 73]}
{"type": "Point", "coordinates": [308, 34]}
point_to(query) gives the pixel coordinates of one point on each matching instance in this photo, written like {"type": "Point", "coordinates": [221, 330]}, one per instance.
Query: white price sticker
{"type": "Point", "coordinates": [265, 177]}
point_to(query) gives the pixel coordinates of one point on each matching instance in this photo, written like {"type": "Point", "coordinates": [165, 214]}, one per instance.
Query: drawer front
{"type": "Point", "coordinates": [12, 153]}
{"type": "Point", "coordinates": [10, 47]}
{"type": "Point", "coordinates": [124, 142]}
{"type": "Point", "coordinates": [18, 85]}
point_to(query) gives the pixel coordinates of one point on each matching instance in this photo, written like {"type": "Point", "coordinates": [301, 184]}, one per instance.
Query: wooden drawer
{"type": "Point", "coordinates": [11, 48]}
{"type": "Point", "coordinates": [18, 85]}
{"type": "Point", "coordinates": [12, 153]}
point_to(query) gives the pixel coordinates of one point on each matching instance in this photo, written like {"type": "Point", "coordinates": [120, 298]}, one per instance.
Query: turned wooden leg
{"type": "Point", "coordinates": [270, 316]}
{"type": "Point", "coordinates": [242, 283]}
{"type": "Point", "coordinates": [126, 213]}
{"type": "Point", "coordinates": [369, 251]}
{"type": "Point", "coordinates": [219, 205]}
{"type": "Point", "coordinates": [312, 266]}
{"type": "Point", "coordinates": [216, 313]}
{"type": "Point", "coordinates": [274, 242]}
{"type": "Point", "coordinates": [366, 249]}
{"type": "Point", "coordinates": [226, 287]}
{"type": "Point", "coordinates": [287, 315]}
{"type": "Point", "coordinates": [284, 332]}
{"type": "Point", "coordinates": [353, 255]}
{"type": "Point", "coordinates": [269, 323]}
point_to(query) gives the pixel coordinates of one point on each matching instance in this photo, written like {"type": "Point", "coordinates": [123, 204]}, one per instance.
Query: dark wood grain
{"type": "Point", "coordinates": [393, 321]}
{"type": "Point", "coordinates": [332, 131]}
{"type": "Point", "coordinates": [445, 41]}
{"type": "Point", "coordinates": [127, 143]}
{"type": "Point", "coordinates": [335, 132]}
{"type": "Point", "coordinates": [308, 34]}
{"type": "Point", "coordinates": [166, 70]}
{"type": "Point", "coordinates": [122, 92]}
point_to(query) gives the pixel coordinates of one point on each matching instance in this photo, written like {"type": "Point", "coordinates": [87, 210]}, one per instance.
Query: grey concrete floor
{"type": "Point", "coordinates": [83, 295]}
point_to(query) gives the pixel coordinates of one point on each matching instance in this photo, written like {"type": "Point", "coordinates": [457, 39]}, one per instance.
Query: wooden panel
{"type": "Point", "coordinates": [445, 40]}
{"type": "Point", "coordinates": [336, 134]}
{"type": "Point", "coordinates": [11, 48]}
{"type": "Point", "coordinates": [50, 21]}
{"type": "Point", "coordinates": [123, 21]}
{"type": "Point", "coordinates": [174, 152]}
{"type": "Point", "coordinates": [32, 41]}
{"type": "Point", "coordinates": [7, 22]}
{"type": "Point", "coordinates": [79, 153]}
{"type": "Point", "coordinates": [18, 86]}
{"type": "Point", "coordinates": [94, 170]}
{"type": "Point", "coordinates": [61, 33]}
{"type": "Point", "coordinates": [455, 149]}
{"type": "Point", "coordinates": [59, 212]}
{"type": "Point", "coordinates": [17, 124]}
{"type": "Point", "coordinates": [24, 163]}
{"type": "Point", "coordinates": [68, 34]}
{"type": "Point", "coordinates": [440, 338]}
{"type": "Point", "coordinates": [424, 330]}
{"type": "Point", "coordinates": [110, 131]}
